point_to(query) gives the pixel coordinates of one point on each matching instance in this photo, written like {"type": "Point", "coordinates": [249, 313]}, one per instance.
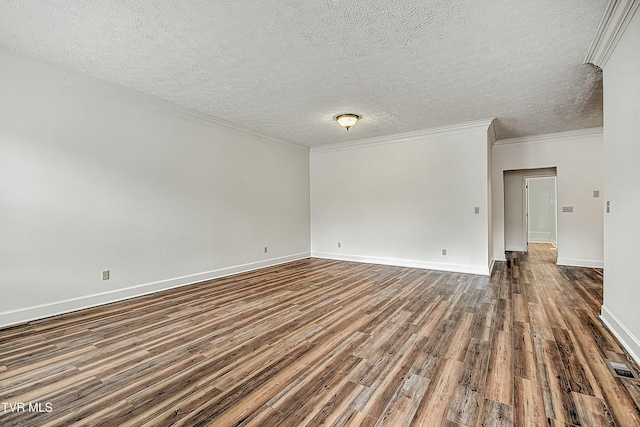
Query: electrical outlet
{"type": "Point", "coordinates": [608, 206]}
{"type": "Point", "coordinates": [476, 210]}
{"type": "Point", "coordinates": [444, 252]}
{"type": "Point", "coordinates": [596, 193]}
{"type": "Point", "coordinates": [339, 244]}
{"type": "Point", "coordinates": [105, 274]}
{"type": "Point", "coordinates": [567, 209]}
{"type": "Point", "coordinates": [266, 249]}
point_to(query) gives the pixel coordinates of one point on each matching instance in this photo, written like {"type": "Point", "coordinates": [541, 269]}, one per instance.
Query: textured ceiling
{"type": "Point", "coordinates": [286, 68]}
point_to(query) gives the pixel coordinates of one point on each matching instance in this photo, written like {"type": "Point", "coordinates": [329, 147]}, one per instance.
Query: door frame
{"type": "Point", "coordinates": [525, 185]}
{"type": "Point", "coordinates": [519, 199]}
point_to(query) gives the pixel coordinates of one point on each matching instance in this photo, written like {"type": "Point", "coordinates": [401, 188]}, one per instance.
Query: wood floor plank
{"type": "Point", "coordinates": [504, 315]}
{"type": "Point", "coordinates": [375, 398]}
{"type": "Point", "coordinates": [529, 404]}
{"type": "Point", "coordinates": [578, 374]}
{"type": "Point", "coordinates": [333, 410]}
{"type": "Point", "coordinates": [484, 321]}
{"type": "Point", "coordinates": [539, 322]}
{"type": "Point", "coordinates": [172, 410]}
{"type": "Point", "coordinates": [322, 342]}
{"type": "Point", "coordinates": [434, 318]}
{"type": "Point", "coordinates": [524, 359]}
{"type": "Point", "coordinates": [558, 399]}
{"type": "Point", "coordinates": [435, 404]}
{"type": "Point", "coordinates": [499, 385]}
{"type": "Point", "coordinates": [554, 316]}
{"type": "Point", "coordinates": [475, 365]}
{"type": "Point", "coordinates": [426, 364]}
{"type": "Point", "coordinates": [457, 349]}
{"type": "Point", "coordinates": [465, 406]}
{"type": "Point", "coordinates": [592, 411]}
{"type": "Point", "coordinates": [269, 417]}
{"type": "Point", "coordinates": [520, 309]}
{"type": "Point", "coordinates": [496, 414]}
{"type": "Point", "coordinates": [356, 419]}
{"type": "Point", "coordinates": [403, 405]}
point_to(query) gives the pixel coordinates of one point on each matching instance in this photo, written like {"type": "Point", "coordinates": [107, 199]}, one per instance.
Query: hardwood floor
{"type": "Point", "coordinates": [334, 343]}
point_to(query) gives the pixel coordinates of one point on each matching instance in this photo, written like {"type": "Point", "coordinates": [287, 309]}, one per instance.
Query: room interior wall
{"type": "Point", "coordinates": [400, 201]}
{"type": "Point", "coordinates": [577, 157]}
{"type": "Point", "coordinates": [515, 238]}
{"type": "Point", "coordinates": [621, 73]}
{"type": "Point", "coordinates": [542, 209]}
{"type": "Point", "coordinates": [95, 178]}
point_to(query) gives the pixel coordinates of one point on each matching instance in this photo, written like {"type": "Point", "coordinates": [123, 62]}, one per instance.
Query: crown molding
{"type": "Point", "coordinates": [65, 76]}
{"type": "Point", "coordinates": [616, 18]}
{"type": "Point", "coordinates": [459, 128]}
{"type": "Point", "coordinates": [559, 136]}
{"type": "Point", "coordinates": [493, 134]}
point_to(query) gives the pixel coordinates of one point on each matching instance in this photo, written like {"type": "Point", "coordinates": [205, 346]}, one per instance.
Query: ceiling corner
{"type": "Point", "coordinates": [613, 24]}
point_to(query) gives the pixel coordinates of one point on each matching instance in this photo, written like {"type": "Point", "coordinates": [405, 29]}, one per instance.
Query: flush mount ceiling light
{"type": "Point", "coordinates": [347, 120]}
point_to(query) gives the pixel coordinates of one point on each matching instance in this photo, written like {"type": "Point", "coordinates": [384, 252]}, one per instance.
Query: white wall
{"type": "Point", "coordinates": [542, 209]}
{"type": "Point", "coordinates": [93, 178]}
{"type": "Point", "coordinates": [577, 157]}
{"type": "Point", "coordinates": [401, 200]}
{"type": "Point", "coordinates": [621, 309]}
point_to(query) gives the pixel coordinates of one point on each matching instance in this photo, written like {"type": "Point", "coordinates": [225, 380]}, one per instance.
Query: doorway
{"type": "Point", "coordinates": [516, 208]}
{"type": "Point", "coordinates": [541, 213]}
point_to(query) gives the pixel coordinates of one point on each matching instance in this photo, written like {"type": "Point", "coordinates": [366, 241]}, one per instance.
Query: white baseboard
{"type": "Point", "coordinates": [630, 342]}
{"type": "Point", "coordinates": [27, 314]}
{"type": "Point", "coordinates": [455, 268]}
{"type": "Point", "coordinates": [500, 257]}
{"type": "Point", "coordinates": [516, 249]}
{"type": "Point", "coordinates": [580, 263]}
{"type": "Point", "coordinates": [492, 263]}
